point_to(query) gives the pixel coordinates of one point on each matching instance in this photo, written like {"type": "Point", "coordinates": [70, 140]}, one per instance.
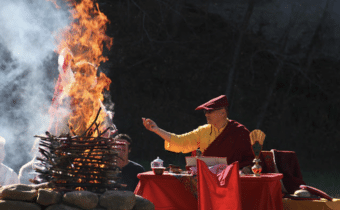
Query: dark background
{"type": "Point", "coordinates": [279, 71]}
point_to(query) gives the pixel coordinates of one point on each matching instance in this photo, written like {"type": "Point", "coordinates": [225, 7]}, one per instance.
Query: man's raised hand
{"type": "Point", "coordinates": [150, 124]}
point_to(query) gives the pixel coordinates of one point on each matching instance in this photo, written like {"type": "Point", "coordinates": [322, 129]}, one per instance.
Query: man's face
{"type": "Point", "coordinates": [215, 115]}
{"type": "Point", "coordinates": [123, 149]}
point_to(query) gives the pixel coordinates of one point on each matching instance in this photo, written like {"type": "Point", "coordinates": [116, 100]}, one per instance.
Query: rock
{"type": "Point", "coordinates": [19, 192]}
{"type": "Point", "coordinates": [118, 200]}
{"type": "Point", "coordinates": [48, 197]}
{"type": "Point", "coordinates": [143, 204]}
{"type": "Point", "coordinates": [82, 199]}
{"type": "Point", "coordinates": [18, 205]}
{"type": "Point", "coordinates": [61, 207]}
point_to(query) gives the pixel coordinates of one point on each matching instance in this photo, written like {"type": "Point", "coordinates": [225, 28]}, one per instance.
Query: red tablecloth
{"type": "Point", "coordinates": [167, 192]}
{"type": "Point", "coordinates": [262, 192]}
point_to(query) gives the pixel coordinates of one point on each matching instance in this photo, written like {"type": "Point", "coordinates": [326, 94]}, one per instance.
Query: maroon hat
{"type": "Point", "coordinates": [214, 103]}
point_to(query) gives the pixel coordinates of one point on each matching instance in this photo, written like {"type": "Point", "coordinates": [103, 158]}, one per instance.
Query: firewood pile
{"type": "Point", "coordinates": [83, 162]}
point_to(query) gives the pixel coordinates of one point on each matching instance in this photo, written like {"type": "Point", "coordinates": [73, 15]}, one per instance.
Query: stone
{"type": "Point", "coordinates": [48, 197]}
{"type": "Point", "coordinates": [18, 205]}
{"type": "Point", "coordinates": [61, 207]}
{"type": "Point", "coordinates": [19, 192]}
{"type": "Point", "coordinates": [143, 204]}
{"type": "Point", "coordinates": [118, 200]}
{"type": "Point", "coordinates": [82, 199]}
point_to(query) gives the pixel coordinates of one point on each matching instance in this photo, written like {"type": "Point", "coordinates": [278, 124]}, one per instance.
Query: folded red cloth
{"type": "Point", "coordinates": [218, 192]}
{"type": "Point", "coordinates": [288, 164]}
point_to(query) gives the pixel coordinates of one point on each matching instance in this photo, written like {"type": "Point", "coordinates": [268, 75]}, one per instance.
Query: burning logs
{"type": "Point", "coordinates": [79, 162]}
{"type": "Point", "coordinates": [75, 163]}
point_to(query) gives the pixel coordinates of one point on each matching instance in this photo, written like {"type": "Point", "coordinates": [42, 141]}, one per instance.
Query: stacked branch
{"type": "Point", "coordinates": [79, 162]}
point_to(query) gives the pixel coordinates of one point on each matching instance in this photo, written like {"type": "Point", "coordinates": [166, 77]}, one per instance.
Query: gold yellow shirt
{"type": "Point", "coordinates": [201, 137]}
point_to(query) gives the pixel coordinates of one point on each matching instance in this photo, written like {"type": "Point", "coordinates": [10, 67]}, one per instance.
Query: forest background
{"type": "Point", "coordinates": [276, 60]}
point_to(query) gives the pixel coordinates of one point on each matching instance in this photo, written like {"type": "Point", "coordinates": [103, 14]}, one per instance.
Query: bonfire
{"type": "Point", "coordinates": [78, 152]}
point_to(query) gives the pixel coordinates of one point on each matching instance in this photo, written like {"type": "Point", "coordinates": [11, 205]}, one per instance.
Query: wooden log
{"type": "Point", "coordinates": [77, 139]}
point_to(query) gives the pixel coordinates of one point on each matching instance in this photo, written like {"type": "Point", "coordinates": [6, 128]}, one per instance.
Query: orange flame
{"type": "Point", "coordinates": [84, 38]}
{"type": "Point", "coordinates": [79, 87]}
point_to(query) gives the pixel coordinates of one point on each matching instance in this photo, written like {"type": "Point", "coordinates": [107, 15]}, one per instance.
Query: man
{"type": "Point", "coordinates": [129, 168]}
{"type": "Point", "coordinates": [7, 175]}
{"type": "Point", "coordinates": [220, 137]}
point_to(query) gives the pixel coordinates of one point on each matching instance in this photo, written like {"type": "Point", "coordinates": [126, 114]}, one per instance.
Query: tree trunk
{"type": "Point", "coordinates": [243, 29]}
{"type": "Point", "coordinates": [283, 50]}
{"type": "Point", "coordinates": [270, 93]}
{"type": "Point", "coordinates": [315, 43]}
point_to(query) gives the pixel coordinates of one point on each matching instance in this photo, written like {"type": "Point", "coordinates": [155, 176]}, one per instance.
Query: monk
{"type": "Point", "coordinates": [220, 137]}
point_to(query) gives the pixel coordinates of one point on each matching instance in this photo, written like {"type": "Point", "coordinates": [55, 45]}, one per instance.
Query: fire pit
{"type": "Point", "coordinates": [79, 162]}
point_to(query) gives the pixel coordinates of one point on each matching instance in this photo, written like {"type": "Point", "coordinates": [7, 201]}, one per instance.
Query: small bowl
{"type": "Point", "coordinates": [174, 169]}
{"type": "Point", "coordinates": [158, 171]}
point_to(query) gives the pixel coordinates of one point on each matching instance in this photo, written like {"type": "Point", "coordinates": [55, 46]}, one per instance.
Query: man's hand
{"type": "Point", "coordinates": [150, 124]}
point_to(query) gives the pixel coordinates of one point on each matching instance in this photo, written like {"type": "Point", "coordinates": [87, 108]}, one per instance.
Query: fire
{"type": "Point", "coordinates": [80, 50]}
{"type": "Point", "coordinates": [76, 103]}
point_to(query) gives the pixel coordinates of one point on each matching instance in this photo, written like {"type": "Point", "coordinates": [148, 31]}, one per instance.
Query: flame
{"type": "Point", "coordinates": [80, 87]}
{"type": "Point", "coordinates": [80, 50]}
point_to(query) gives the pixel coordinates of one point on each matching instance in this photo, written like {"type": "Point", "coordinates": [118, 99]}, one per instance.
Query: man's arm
{"type": "Point", "coordinates": [175, 143]}
{"type": "Point", "coordinates": [152, 126]}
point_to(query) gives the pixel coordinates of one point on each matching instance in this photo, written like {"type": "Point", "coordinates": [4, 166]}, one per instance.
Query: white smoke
{"type": "Point", "coordinates": [28, 68]}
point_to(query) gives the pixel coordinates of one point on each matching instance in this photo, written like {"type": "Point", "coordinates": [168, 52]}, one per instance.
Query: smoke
{"type": "Point", "coordinates": [28, 68]}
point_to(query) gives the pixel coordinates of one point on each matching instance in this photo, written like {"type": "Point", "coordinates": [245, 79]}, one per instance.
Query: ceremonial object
{"type": "Point", "coordinates": [257, 137]}
{"type": "Point", "coordinates": [198, 152]}
{"type": "Point", "coordinates": [302, 193]}
{"type": "Point", "coordinates": [157, 166]}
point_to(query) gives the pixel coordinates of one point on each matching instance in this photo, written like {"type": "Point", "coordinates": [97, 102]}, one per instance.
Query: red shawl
{"type": "Point", "coordinates": [233, 143]}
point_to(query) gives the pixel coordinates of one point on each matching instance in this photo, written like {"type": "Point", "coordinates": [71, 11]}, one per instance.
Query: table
{"type": "Point", "coordinates": [262, 192]}
{"type": "Point", "coordinates": [321, 204]}
{"type": "Point", "coordinates": [167, 192]}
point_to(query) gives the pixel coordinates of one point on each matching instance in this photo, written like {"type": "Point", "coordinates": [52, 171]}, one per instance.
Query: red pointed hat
{"type": "Point", "coordinates": [215, 103]}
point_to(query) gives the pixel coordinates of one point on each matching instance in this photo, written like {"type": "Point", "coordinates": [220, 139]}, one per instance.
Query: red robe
{"type": "Point", "coordinates": [233, 143]}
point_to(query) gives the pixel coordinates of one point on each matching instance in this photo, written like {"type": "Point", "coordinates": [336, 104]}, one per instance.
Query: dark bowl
{"type": "Point", "coordinates": [158, 171]}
